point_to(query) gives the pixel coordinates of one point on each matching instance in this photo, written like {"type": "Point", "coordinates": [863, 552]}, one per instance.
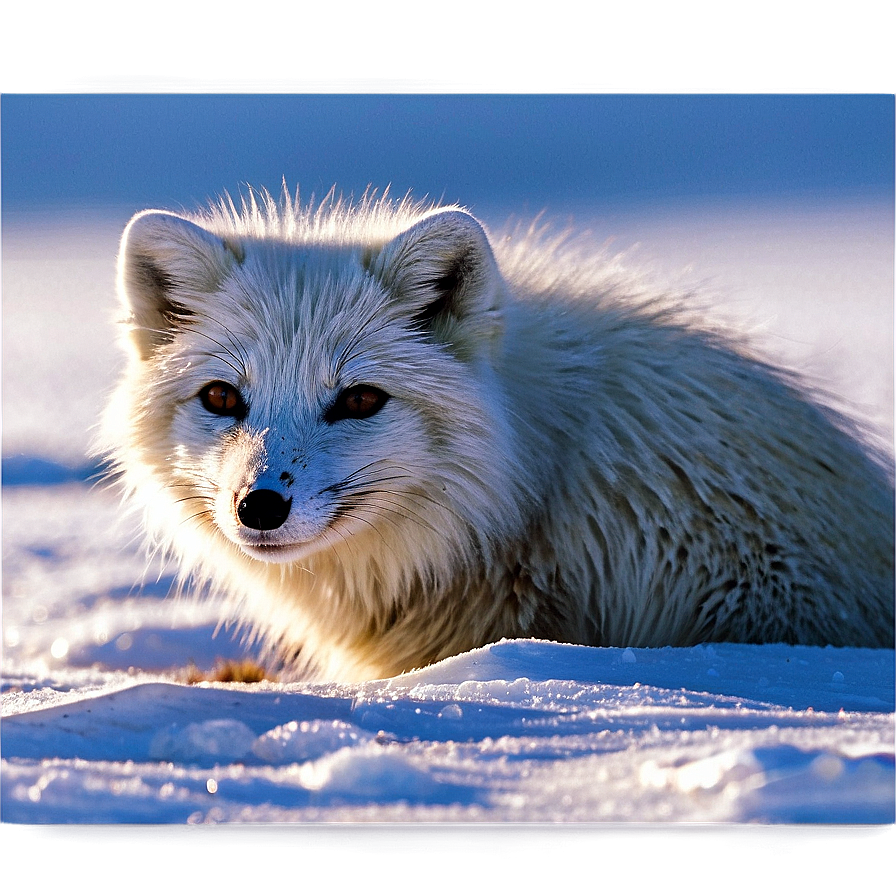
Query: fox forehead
{"type": "Point", "coordinates": [298, 287]}
{"type": "Point", "coordinates": [304, 319]}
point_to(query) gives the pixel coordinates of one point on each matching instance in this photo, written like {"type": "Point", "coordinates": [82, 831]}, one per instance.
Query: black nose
{"type": "Point", "coordinates": [263, 509]}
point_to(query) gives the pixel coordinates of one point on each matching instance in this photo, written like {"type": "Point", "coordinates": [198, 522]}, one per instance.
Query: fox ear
{"type": "Point", "coordinates": [163, 261]}
{"type": "Point", "coordinates": [443, 273]}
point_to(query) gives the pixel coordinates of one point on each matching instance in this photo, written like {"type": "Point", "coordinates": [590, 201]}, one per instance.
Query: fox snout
{"type": "Point", "coordinates": [263, 509]}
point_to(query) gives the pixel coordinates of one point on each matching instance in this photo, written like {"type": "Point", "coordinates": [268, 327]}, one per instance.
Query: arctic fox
{"type": "Point", "coordinates": [389, 439]}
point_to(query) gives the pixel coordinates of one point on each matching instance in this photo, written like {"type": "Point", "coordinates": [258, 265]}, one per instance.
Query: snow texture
{"type": "Point", "coordinates": [100, 725]}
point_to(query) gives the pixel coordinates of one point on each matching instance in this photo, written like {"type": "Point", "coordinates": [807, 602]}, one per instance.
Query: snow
{"type": "Point", "coordinates": [516, 731]}
{"type": "Point", "coordinates": [100, 725]}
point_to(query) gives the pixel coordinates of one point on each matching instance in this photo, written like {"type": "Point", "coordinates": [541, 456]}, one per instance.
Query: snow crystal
{"type": "Point", "coordinates": [222, 740]}
{"type": "Point", "coordinates": [306, 740]}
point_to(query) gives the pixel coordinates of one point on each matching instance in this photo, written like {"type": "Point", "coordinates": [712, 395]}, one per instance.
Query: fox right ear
{"type": "Point", "coordinates": [163, 262]}
{"type": "Point", "coordinates": [444, 276]}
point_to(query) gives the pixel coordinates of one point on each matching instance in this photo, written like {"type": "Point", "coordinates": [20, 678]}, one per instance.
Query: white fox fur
{"type": "Point", "coordinates": [560, 454]}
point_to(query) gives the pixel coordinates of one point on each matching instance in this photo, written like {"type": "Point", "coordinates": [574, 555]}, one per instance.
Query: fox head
{"type": "Point", "coordinates": [294, 396]}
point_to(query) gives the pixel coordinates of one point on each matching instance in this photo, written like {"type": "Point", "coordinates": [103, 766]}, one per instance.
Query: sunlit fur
{"type": "Point", "coordinates": [563, 454]}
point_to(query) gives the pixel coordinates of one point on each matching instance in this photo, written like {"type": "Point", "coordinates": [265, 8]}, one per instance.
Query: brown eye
{"type": "Point", "coordinates": [356, 403]}
{"type": "Point", "coordinates": [223, 399]}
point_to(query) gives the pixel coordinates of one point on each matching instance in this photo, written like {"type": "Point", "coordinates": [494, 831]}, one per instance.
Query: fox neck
{"type": "Point", "coordinates": [360, 614]}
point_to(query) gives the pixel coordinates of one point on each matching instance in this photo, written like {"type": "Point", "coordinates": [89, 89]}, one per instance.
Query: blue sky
{"type": "Point", "coordinates": [521, 151]}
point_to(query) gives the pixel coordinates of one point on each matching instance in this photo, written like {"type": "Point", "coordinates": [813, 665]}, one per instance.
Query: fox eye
{"type": "Point", "coordinates": [223, 399]}
{"type": "Point", "coordinates": [356, 403]}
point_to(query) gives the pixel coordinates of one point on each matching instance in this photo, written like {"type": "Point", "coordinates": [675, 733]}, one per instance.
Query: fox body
{"type": "Point", "coordinates": [390, 439]}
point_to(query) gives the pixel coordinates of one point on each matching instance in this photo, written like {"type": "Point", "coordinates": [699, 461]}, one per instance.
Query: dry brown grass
{"type": "Point", "coordinates": [245, 671]}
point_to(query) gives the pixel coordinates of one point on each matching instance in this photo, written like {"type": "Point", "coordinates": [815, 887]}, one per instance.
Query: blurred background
{"type": "Point", "coordinates": [521, 151]}
{"type": "Point", "coordinates": [781, 206]}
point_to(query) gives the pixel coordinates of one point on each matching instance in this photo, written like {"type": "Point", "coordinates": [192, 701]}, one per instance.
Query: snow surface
{"type": "Point", "coordinates": [100, 726]}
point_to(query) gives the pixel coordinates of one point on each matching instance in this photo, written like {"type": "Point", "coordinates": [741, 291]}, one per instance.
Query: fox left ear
{"type": "Point", "coordinates": [443, 273]}
{"type": "Point", "coordinates": [164, 263]}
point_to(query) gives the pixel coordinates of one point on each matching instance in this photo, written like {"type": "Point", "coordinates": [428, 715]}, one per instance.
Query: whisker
{"type": "Point", "coordinates": [346, 515]}
{"type": "Point", "coordinates": [241, 349]}
{"type": "Point", "coordinates": [336, 487]}
{"type": "Point", "coordinates": [202, 513]}
{"type": "Point", "coordinates": [241, 371]}
{"type": "Point", "coordinates": [333, 530]}
{"type": "Point", "coordinates": [380, 501]}
{"type": "Point", "coordinates": [383, 466]}
{"type": "Point", "coordinates": [413, 496]}
{"type": "Point", "coordinates": [348, 352]}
